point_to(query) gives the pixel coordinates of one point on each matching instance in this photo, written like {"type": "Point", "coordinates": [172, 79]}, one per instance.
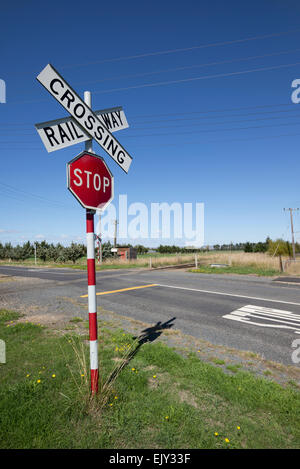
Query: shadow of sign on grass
{"type": "Point", "coordinates": [147, 335]}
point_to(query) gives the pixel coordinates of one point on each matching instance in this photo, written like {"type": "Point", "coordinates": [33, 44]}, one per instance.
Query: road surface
{"type": "Point", "coordinates": [242, 312]}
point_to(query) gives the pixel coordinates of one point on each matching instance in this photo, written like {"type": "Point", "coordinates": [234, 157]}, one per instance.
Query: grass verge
{"type": "Point", "coordinates": [244, 270]}
{"type": "Point", "coordinates": [155, 398]}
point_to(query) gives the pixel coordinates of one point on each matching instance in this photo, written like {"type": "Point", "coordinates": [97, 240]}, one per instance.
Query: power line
{"type": "Point", "coordinates": [208, 123]}
{"type": "Point", "coordinates": [177, 113]}
{"type": "Point", "coordinates": [188, 67]}
{"type": "Point", "coordinates": [201, 142]}
{"type": "Point", "coordinates": [14, 193]}
{"type": "Point", "coordinates": [211, 130]}
{"type": "Point", "coordinates": [207, 111]}
{"type": "Point", "coordinates": [183, 49]}
{"type": "Point", "coordinates": [293, 109]}
{"type": "Point", "coordinates": [173, 82]}
{"type": "Point", "coordinates": [204, 77]}
{"type": "Point", "coordinates": [183, 121]}
{"type": "Point", "coordinates": [195, 131]}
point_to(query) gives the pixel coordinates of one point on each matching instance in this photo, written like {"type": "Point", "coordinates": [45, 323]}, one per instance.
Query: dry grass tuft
{"type": "Point", "coordinates": [95, 403]}
{"type": "Point", "coordinates": [258, 260]}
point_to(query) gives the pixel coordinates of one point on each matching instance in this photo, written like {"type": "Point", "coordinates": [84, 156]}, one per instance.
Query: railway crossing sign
{"type": "Point", "coordinates": [62, 133]}
{"type": "Point", "coordinates": [90, 181]}
{"type": "Point", "coordinates": [84, 116]}
{"type": "Point", "coordinates": [88, 177]}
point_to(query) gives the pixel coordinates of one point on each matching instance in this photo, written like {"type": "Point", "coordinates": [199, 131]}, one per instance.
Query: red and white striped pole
{"type": "Point", "coordinates": [91, 274]}
{"type": "Point", "coordinates": [92, 300]}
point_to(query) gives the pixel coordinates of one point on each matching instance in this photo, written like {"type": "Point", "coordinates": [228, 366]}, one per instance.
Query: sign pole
{"type": "Point", "coordinates": [92, 300]}
{"type": "Point", "coordinates": [91, 274]}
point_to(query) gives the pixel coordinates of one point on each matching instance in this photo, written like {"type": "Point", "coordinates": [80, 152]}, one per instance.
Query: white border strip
{"type": "Point", "coordinates": [92, 299]}
{"type": "Point", "coordinates": [94, 354]}
{"type": "Point", "coordinates": [228, 294]}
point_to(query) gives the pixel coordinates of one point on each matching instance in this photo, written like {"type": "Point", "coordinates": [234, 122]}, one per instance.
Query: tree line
{"type": "Point", "coordinates": [61, 254]}
{"type": "Point", "coordinates": [48, 251]}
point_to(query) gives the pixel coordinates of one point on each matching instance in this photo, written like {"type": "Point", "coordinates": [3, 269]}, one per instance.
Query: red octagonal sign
{"type": "Point", "coordinates": [90, 181]}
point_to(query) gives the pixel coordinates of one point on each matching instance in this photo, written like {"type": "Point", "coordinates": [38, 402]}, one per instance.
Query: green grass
{"type": "Point", "coordinates": [159, 400]}
{"type": "Point", "coordinates": [233, 368]}
{"type": "Point", "coordinates": [218, 361]}
{"type": "Point", "coordinates": [246, 270]}
{"type": "Point", "coordinates": [81, 265]}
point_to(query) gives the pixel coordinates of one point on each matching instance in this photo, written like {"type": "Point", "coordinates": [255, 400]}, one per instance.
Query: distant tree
{"type": "Point", "coordinates": [28, 250]}
{"type": "Point", "coordinates": [260, 247]}
{"type": "Point", "coordinates": [140, 249]}
{"type": "Point", "coordinates": [53, 252]}
{"type": "Point", "coordinates": [8, 251]}
{"type": "Point", "coordinates": [279, 247]}
{"type": "Point", "coordinates": [42, 250]}
{"type": "Point", "coordinates": [248, 247]}
{"type": "Point", "coordinates": [106, 250]}
{"type": "Point", "coordinates": [74, 252]}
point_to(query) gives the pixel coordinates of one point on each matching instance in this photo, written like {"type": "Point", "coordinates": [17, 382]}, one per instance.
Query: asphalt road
{"type": "Point", "coordinates": [241, 312]}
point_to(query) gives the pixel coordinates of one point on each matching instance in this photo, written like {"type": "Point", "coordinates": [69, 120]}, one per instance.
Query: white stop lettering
{"type": "Point", "coordinates": [97, 182]}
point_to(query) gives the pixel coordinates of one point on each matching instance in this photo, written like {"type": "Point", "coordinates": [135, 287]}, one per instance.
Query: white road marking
{"type": "Point", "coordinates": [228, 294]}
{"type": "Point", "coordinates": [46, 271]}
{"type": "Point", "coordinates": [280, 319]}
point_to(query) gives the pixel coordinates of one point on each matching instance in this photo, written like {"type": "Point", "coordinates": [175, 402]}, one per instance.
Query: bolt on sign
{"type": "Point", "coordinates": [84, 116]}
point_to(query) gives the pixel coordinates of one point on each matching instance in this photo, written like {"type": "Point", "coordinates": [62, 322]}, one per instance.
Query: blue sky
{"type": "Point", "coordinates": [206, 88]}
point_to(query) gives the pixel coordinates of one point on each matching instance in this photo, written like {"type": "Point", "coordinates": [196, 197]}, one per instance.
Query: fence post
{"type": "Point", "coordinates": [280, 263]}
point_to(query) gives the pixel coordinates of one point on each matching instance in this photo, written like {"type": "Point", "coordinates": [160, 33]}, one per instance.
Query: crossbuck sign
{"type": "Point", "coordinates": [92, 124]}
{"type": "Point", "coordinates": [62, 133]}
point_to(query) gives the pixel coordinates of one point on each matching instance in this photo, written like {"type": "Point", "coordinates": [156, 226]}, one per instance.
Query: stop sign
{"type": "Point", "coordinates": [90, 181]}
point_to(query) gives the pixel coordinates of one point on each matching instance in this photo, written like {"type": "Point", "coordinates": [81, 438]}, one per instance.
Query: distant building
{"type": "Point", "coordinates": [127, 253]}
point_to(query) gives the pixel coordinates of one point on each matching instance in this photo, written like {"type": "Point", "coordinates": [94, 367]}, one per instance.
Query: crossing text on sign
{"type": "Point", "coordinates": [84, 116]}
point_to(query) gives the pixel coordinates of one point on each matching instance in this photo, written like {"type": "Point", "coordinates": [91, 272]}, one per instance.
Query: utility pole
{"type": "Point", "coordinates": [292, 228]}
{"type": "Point", "coordinates": [115, 238]}
{"type": "Point", "coordinates": [99, 241]}
{"type": "Point", "coordinates": [34, 252]}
